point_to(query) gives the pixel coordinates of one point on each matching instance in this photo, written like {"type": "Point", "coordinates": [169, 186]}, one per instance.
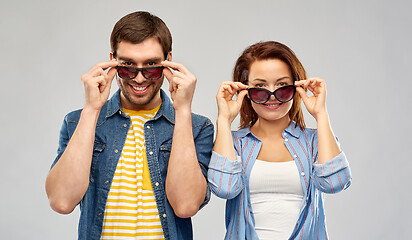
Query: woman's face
{"type": "Point", "coordinates": [271, 74]}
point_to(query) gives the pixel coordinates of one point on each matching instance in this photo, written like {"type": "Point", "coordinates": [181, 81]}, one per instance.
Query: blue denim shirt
{"type": "Point", "coordinates": [111, 131]}
{"type": "Point", "coordinates": [229, 179]}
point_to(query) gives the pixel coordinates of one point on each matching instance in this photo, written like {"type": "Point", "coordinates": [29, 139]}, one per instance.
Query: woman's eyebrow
{"type": "Point", "coordinates": [277, 80]}
{"type": "Point", "coordinates": [259, 79]}
{"type": "Point", "coordinates": [282, 78]}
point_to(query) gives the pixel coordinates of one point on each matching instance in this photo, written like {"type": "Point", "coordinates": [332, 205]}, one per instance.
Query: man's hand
{"type": "Point", "coordinates": [182, 84]}
{"type": "Point", "coordinates": [97, 83]}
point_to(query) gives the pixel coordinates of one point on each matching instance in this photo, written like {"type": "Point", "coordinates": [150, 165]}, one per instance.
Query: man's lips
{"type": "Point", "coordinates": [139, 89]}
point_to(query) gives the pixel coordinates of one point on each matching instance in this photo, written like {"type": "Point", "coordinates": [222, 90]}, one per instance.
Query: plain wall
{"type": "Point", "coordinates": [360, 48]}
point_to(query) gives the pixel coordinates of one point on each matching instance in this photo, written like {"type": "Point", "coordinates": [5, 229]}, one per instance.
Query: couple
{"type": "Point", "coordinates": [139, 172]}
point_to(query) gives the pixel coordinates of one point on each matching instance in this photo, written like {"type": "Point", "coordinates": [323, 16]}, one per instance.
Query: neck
{"type": "Point", "coordinates": [264, 128]}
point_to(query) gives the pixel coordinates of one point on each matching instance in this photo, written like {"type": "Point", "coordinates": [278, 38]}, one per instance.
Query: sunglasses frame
{"type": "Point", "coordinates": [271, 93]}
{"type": "Point", "coordinates": [140, 70]}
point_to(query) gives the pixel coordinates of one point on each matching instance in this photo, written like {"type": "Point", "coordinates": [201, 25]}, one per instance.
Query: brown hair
{"type": "Point", "coordinates": [264, 51]}
{"type": "Point", "coordinates": [139, 26]}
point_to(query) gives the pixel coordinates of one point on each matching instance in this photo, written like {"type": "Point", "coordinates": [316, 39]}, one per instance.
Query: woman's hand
{"type": "Point", "coordinates": [229, 108]}
{"type": "Point", "coordinates": [316, 104]}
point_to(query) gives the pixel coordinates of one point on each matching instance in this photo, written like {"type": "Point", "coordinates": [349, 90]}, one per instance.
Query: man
{"type": "Point", "coordinates": [132, 162]}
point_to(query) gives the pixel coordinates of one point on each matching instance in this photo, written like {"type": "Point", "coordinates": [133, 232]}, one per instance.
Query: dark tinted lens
{"type": "Point", "coordinates": [126, 72]}
{"type": "Point", "coordinates": [152, 73]}
{"type": "Point", "coordinates": [285, 94]}
{"type": "Point", "coordinates": [259, 95]}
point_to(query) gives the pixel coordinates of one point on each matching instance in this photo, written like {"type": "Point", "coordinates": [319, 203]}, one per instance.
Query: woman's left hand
{"type": "Point", "coordinates": [316, 104]}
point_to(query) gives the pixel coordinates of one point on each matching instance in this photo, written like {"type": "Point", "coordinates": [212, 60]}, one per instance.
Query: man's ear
{"type": "Point", "coordinates": [169, 56]}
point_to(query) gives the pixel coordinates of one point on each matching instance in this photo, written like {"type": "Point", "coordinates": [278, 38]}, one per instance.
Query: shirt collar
{"type": "Point", "coordinates": [113, 105]}
{"type": "Point", "coordinates": [292, 129]}
{"type": "Point", "coordinates": [166, 109]}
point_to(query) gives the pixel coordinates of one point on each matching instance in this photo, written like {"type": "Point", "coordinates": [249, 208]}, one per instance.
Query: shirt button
{"type": "Point", "coordinates": [100, 214]}
{"type": "Point", "coordinates": [106, 182]}
{"type": "Point", "coordinates": [148, 127]}
{"type": "Point", "coordinates": [286, 139]}
{"type": "Point", "coordinates": [125, 125]}
{"type": "Point", "coordinates": [116, 151]}
{"type": "Point", "coordinates": [151, 153]}
{"type": "Point", "coordinates": [164, 215]}
{"type": "Point", "coordinates": [302, 173]}
{"type": "Point", "coordinates": [294, 156]}
{"type": "Point", "coordinates": [156, 184]}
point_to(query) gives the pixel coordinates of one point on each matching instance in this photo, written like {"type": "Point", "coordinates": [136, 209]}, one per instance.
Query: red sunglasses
{"type": "Point", "coordinates": [150, 73]}
{"type": "Point", "coordinates": [282, 94]}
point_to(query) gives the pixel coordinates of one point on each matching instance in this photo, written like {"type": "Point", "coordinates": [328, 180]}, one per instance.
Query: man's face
{"type": "Point", "coordinates": [140, 93]}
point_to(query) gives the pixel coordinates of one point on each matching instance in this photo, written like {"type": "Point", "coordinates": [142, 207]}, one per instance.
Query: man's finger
{"type": "Point", "coordinates": [175, 66]}
{"type": "Point", "coordinates": [108, 64]}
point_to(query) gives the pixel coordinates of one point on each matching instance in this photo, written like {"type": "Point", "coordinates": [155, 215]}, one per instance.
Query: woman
{"type": "Point", "coordinates": [274, 171]}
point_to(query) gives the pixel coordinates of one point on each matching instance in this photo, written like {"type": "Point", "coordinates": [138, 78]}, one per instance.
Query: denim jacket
{"type": "Point", "coordinates": [111, 131]}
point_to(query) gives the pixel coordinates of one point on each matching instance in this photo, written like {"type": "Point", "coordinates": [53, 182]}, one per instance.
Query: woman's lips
{"type": "Point", "coordinates": [272, 106]}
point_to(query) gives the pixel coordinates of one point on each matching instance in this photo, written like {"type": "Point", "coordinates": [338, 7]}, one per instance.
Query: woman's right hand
{"type": "Point", "coordinates": [227, 107]}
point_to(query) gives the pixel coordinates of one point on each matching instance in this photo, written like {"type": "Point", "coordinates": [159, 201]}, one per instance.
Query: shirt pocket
{"type": "Point", "coordinates": [164, 156]}
{"type": "Point", "coordinates": [98, 148]}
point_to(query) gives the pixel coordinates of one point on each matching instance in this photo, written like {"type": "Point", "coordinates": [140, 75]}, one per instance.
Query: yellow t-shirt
{"type": "Point", "coordinates": [131, 210]}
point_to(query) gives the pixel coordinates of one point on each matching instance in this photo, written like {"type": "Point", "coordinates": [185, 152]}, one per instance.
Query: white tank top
{"type": "Point", "coordinates": [276, 196]}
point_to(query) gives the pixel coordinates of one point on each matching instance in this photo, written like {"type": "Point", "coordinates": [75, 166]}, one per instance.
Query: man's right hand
{"type": "Point", "coordinates": [97, 83]}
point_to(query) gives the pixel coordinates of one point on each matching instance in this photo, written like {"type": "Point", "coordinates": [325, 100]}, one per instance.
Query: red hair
{"type": "Point", "coordinates": [264, 51]}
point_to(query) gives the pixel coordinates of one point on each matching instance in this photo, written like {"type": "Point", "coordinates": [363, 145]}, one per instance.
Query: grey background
{"type": "Point", "coordinates": [361, 49]}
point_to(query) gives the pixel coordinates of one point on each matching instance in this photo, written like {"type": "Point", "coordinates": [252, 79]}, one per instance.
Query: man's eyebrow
{"type": "Point", "coordinates": [153, 60]}
{"type": "Point", "coordinates": [125, 59]}
{"type": "Point", "coordinates": [146, 61]}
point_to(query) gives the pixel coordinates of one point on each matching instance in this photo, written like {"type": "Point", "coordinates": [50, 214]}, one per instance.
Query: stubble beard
{"type": "Point", "coordinates": [140, 101]}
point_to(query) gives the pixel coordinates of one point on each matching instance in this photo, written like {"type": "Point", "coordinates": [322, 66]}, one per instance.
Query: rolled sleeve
{"type": "Point", "coordinates": [333, 176]}
{"type": "Point", "coordinates": [225, 176]}
{"type": "Point", "coordinates": [204, 145]}
{"type": "Point", "coordinates": [63, 141]}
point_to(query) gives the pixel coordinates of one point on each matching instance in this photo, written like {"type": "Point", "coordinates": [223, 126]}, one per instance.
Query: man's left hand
{"type": "Point", "coordinates": [182, 84]}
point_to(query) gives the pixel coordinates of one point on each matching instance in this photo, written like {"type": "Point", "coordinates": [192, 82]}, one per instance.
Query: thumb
{"type": "Point", "coordinates": [110, 76]}
{"type": "Point", "coordinates": [302, 93]}
{"type": "Point", "coordinates": [241, 96]}
{"type": "Point", "coordinates": [169, 75]}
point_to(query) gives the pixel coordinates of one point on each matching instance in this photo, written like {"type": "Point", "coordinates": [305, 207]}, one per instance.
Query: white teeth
{"type": "Point", "coordinates": [139, 88]}
{"type": "Point", "coordinates": [272, 105]}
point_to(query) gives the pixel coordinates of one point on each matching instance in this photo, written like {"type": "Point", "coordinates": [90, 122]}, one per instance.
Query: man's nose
{"type": "Point", "coordinates": [139, 78]}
